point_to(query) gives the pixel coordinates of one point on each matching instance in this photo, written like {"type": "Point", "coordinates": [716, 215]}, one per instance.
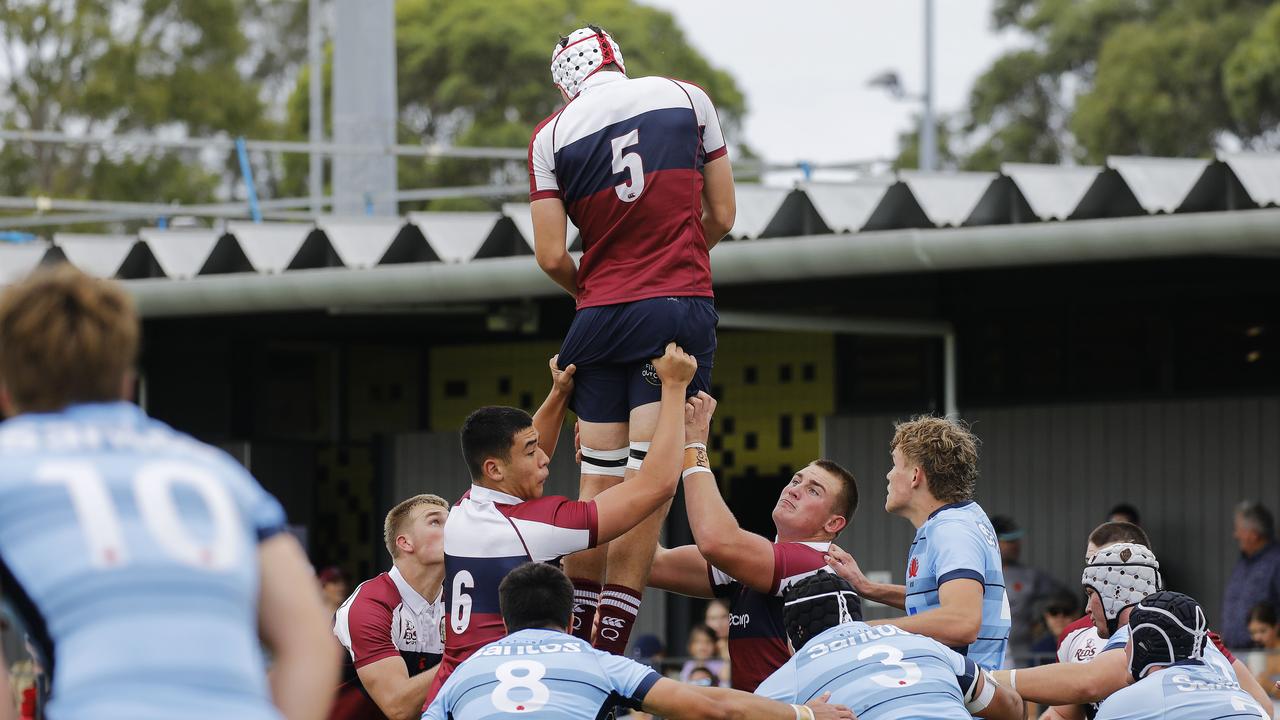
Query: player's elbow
{"type": "Point", "coordinates": [961, 629]}
{"type": "Point", "coordinates": [549, 259]}
{"type": "Point", "coordinates": [720, 219]}
{"type": "Point", "coordinates": [711, 545]}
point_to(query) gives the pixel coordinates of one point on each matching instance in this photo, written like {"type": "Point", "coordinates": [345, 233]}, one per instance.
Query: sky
{"type": "Point", "coordinates": [804, 66]}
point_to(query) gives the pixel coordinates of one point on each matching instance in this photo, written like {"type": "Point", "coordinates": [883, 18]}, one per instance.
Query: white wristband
{"type": "Point", "coordinates": [693, 471]}
{"type": "Point", "coordinates": [803, 712]}
{"type": "Point", "coordinates": [695, 446]}
{"type": "Point", "coordinates": [1013, 680]}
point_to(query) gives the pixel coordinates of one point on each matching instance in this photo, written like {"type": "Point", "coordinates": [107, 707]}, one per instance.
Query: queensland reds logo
{"type": "Point", "coordinates": [914, 568]}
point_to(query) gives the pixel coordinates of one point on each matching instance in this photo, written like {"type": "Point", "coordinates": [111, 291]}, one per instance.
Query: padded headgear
{"type": "Point", "coordinates": [816, 604]}
{"type": "Point", "coordinates": [1122, 574]}
{"type": "Point", "coordinates": [1165, 628]}
{"type": "Point", "coordinates": [579, 55]}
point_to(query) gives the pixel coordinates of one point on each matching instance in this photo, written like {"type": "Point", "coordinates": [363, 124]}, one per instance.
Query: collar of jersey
{"type": "Point", "coordinates": [604, 77]}
{"type": "Point", "coordinates": [484, 494]}
{"type": "Point", "coordinates": [416, 602]}
{"type": "Point", "coordinates": [114, 413]}
{"type": "Point", "coordinates": [949, 506]}
{"type": "Point", "coordinates": [514, 637]}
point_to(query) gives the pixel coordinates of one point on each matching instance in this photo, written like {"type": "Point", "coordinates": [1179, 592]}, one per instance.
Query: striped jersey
{"type": "Point", "coordinates": [757, 638]}
{"type": "Point", "coordinates": [541, 674]}
{"type": "Point", "coordinates": [385, 617]}
{"type": "Point", "coordinates": [132, 551]}
{"type": "Point", "coordinates": [626, 157]}
{"type": "Point", "coordinates": [1189, 690]}
{"type": "Point", "coordinates": [880, 673]}
{"type": "Point", "coordinates": [489, 534]}
{"type": "Point", "coordinates": [958, 542]}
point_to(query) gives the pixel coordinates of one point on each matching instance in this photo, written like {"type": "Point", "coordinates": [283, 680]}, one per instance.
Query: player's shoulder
{"type": "Point", "coordinates": [1074, 630]}
{"type": "Point", "coordinates": [542, 124]}
{"type": "Point", "coordinates": [541, 509]}
{"type": "Point", "coordinates": [691, 87]}
{"type": "Point", "coordinates": [377, 590]}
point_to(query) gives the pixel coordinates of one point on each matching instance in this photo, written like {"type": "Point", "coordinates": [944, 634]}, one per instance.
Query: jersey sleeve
{"type": "Point", "coordinates": [554, 526]}
{"type": "Point", "coordinates": [713, 145]}
{"type": "Point", "coordinates": [542, 165]}
{"type": "Point", "coordinates": [1118, 640]}
{"type": "Point", "coordinates": [781, 685]}
{"type": "Point", "coordinates": [959, 552]}
{"type": "Point", "coordinates": [364, 627]}
{"type": "Point", "coordinates": [631, 680]}
{"type": "Point", "coordinates": [722, 585]}
{"type": "Point", "coordinates": [793, 562]}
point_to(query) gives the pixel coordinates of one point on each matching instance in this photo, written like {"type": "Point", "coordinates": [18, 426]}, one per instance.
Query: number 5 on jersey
{"type": "Point", "coordinates": [631, 164]}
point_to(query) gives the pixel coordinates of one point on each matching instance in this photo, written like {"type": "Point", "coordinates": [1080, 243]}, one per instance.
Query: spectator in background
{"type": "Point", "coordinates": [1027, 588]}
{"type": "Point", "coordinates": [1256, 576]}
{"type": "Point", "coordinates": [717, 618]}
{"type": "Point", "coordinates": [702, 677]}
{"type": "Point", "coordinates": [334, 586]}
{"type": "Point", "coordinates": [1266, 635]}
{"type": "Point", "coordinates": [1056, 613]}
{"type": "Point", "coordinates": [702, 654]}
{"type": "Point", "coordinates": [648, 649]}
{"type": "Point", "coordinates": [1124, 512]}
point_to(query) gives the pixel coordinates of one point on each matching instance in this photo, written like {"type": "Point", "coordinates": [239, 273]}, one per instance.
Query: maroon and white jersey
{"type": "Point", "coordinates": [383, 618]}
{"type": "Point", "coordinates": [626, 157]}
{"type": "Point", "coordinates": [1079, 642]}
{"type": "Point", "coordinates": [757, 638]}
{"type": "Point", "coordinates": [489, 534]}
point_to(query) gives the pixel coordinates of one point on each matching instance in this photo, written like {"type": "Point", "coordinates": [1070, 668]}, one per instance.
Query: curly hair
{"type": "Point", "coordinates": [946, 449]}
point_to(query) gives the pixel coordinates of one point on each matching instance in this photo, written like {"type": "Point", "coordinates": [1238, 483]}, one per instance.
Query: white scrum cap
{"type": "Point", "coordinates": [580, 54]}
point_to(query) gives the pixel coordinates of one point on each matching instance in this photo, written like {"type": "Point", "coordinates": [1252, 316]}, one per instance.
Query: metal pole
{"type": "Point", "coordinates": [949, 375]}
{"type": "Point", "coordinates": [246, 170]}
{"type": "Point", "coordinates": [928, 133]}
{"type": "Point", "coordinates": [315, 181]}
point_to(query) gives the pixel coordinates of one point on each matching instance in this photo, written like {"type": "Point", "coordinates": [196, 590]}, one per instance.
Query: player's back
{"type": "Point", "coordinates": [132, 550]}
{"type": "Point", "coordinates": [1185, 691]}
{"type": "Point", "coordinates": [541, 674]}
{"type": "Point", "coordinates": [881, 673]}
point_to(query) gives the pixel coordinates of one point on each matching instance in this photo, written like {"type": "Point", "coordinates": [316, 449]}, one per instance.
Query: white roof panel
{"type": "Point", "coordinates": [270, 247]}
{"type": "Point", "coordinates": [757, 204]}
{"type": "Point", "coordinates": [1052, 191]}
{"type": "Point", "coordinates": [1159, 184]}
{"type": "Point", "coordinates": [1259, 173]}
{"type": "Point", "coordinates": [846, 207]}
{"type": "Point", "coordinates": [180, 253]}
{"type": "Point", "coordinates": [360, 240]}
{"type": "Point", "coordinates": [455, 236]}
{"type": "Point", "coordinates": [18, 259]}
{"type": "Point", "coordinates": [519, 214]}
{"type": "Point", "coordinates": [947, 198]}
{"type": "Point", "coordinates": [98, 255]}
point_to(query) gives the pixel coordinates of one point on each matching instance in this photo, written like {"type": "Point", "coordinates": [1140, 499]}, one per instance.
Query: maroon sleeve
{"type": "Point", "coordinates": [1217, 640]}
{"type": "Point", "coordinates": [534, 192]}
{"type": "Point", "coordinates": [1083, 622]}
{"type": "Point", "coordinates": [552, 526]}
{"type": "Point", "coordinates": [369, 622]}
{"type": "Point", "coordinates": [792, 561]}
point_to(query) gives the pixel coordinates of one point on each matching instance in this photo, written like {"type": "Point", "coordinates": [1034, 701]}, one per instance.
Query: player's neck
{"type": "Point", "coordinates": [918, 513]}
{"type": "Point", "coordinates": [425, 579]}
{"type": "Point", "coordinates": [784, 536]}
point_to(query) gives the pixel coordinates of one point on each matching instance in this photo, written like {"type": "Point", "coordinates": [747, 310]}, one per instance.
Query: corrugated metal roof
{"type": "Point", "coordinates": [1020, 193]}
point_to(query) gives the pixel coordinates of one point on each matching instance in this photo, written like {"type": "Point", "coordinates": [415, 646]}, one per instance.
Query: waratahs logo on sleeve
{"type": "Point", "coordinates": [988, 533]}
{"type": "Point", "coordinates": [914, 568]}
{"type": "Point", "coordinates": [650, 374]}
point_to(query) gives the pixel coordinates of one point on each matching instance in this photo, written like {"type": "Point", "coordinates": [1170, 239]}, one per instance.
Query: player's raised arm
{"type": "Point", "coordinates": [743, 555]}
{"type": "Point", "coordinates": [550, 415]}
{"type": "Point", "coordinates": [678, 701]}
{"type": "Point", "coordinates": [682, 570]}
{"type": "Point", "coordinates": [622, 506]}
{"type": "Point", "coordinates": [295, 625]}
{"type": "Point", "coordinates": [550, 246]}
{"type": "Point", "coordinates": [843, 564]}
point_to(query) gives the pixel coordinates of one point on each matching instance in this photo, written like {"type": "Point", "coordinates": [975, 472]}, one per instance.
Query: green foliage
{"type": "Point", "coordinates": [1107, 77]}
{"type": "Point", "coordinates": [478, 73]}
{"type": "Point", "coordinates": [131, 66]}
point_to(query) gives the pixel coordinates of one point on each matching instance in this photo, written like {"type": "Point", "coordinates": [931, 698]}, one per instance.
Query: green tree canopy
{"type": "Point", "coordinates": [1125, 77]}
{"type": "Point", "coordinates": [170, 67]}
{"type": "Point", "coordinates": [478, 73]}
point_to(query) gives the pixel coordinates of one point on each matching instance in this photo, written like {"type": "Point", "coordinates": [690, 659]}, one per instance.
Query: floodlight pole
{"type": "Point", "coordinates": [315, 181]}
{"type": "Point", "coordinates": [928, 133]}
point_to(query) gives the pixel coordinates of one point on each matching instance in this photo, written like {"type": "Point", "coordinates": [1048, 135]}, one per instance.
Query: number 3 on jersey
{"type": "Point", "coordinates": [631, 164]}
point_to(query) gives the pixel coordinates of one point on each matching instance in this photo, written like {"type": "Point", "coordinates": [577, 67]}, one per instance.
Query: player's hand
{"type": "Point", "coordinates": [697, 417]}
{"type": "Point", "coordinates": [562, 380]}
{"type": "Point", "coordinates": [823, 711]}
{"type": "Point", "coordinates": [843, 564]}
{"type": "Point", "coordinates": [676, 367]}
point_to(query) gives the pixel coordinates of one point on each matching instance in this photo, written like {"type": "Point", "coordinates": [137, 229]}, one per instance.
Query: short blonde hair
{"type": "Point", "coordinates": [65, 338]}
{"type": "Point", "coordinates": [947, 451]}
{"type": "Point", "coordinates": [398, 514]}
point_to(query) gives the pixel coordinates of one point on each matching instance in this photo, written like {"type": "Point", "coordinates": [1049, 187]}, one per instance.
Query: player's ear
{"type": "Point", "coordinates": [492, 469]}
{"type": "Point", "coordinates": [404, 544]}
{"type": "Point", "coordinates": [835, 524]}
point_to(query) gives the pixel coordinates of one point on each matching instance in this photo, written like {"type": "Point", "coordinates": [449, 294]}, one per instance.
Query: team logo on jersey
{"type": "Point", "coordinates": [1085, 654]}
{"type": "Point", "coordinates": [736, 620]}
{"type": "Point", "coordinates": [409, 634]}
{"type": "Point", "coordinates": [988, 533]}
{"type": "Point", "coordinates": [442, 636]}
{"type": "Point", "coordinates": [650, 374]}
{"type": "Point", "coordinates": [914, 568]}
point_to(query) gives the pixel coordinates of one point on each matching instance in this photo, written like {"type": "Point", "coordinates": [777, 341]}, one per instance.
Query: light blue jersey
{"type": "Point", "coordinates": [540, 674]}
{"type": "Point", "coordinates": [1213, 657]}
{"type": "Point", "coordinates": [879, 672]}
{"type": "Point", "coordinates": [131, 550]}
{"type": "Point", "coordinates": [1190, 690]}
{"type": "Point", "coordinates": [957, 542]}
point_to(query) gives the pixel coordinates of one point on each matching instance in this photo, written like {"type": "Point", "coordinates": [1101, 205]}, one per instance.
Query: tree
{"type": "Point", "coordinates": [477, 73]}
{"type": "Point", "coordinates": [1126, 77]}
{"type": "Point", "coordinates": [176, 67]}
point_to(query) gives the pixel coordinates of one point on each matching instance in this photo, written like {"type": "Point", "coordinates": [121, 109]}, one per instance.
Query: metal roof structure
{"type": "Point", "coordinates": [1021, 202]}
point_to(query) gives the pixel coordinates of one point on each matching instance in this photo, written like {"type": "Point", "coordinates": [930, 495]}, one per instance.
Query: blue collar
{"type": "Point", "coordinates": [948, 507]}
{"type": "Point", "coordinates": [116, 412]}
